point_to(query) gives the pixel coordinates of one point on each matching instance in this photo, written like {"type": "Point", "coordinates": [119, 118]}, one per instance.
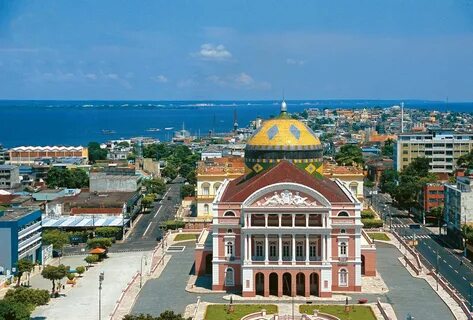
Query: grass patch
{"type": "Point", "coordinates": [379, 236]}
{"type": "Point", "coordinates": [219, 311]}
{"type": "Point", "coordinates": [185, 236]}
{"type": "Point", "coordinates": [356, 312]}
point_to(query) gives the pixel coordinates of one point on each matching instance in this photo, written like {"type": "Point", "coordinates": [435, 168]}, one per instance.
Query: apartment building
{"type": "Point", "coordinates": [458, 207]}
{"type": "Point", "coordinates": [9, 177]}
{"type": "Point", "coordinates": [442, 147]}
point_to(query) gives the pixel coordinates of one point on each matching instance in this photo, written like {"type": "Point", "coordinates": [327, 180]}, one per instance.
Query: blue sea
{"type": "Point", "coordinates": [79, 122]}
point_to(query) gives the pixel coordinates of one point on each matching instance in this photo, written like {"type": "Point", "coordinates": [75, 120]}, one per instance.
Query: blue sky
{"type": "Point", "coordinates": [367, 49]}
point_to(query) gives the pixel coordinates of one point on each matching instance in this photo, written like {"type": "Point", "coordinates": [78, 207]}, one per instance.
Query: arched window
{"type": "Point", "coordinates": [229, 214]}
{"type": "Point", "coordinates": [206, 209]}
{"type": "Point", "coordinates": [229, 230]}
{"type": "Point", "coordinates": [343, 278]}
{"type": "Point", "coordinates": [229, 277]}
{"type": "Point", "coordinates": [229, 249]}
{"type": "Point", "coordinates": [216, 186]}
{"type": "Point", "coordinates": [343, 231]}
{"type": "Point", "coordinates": [343, 249]}
{"type": "Point", "coordinates": [205, 189]}
{"type": "Point", "coordinates": [343, 214]}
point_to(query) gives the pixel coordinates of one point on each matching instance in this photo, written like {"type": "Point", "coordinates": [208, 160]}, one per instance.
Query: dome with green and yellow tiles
{"type": "Point", "coordinates": [284, 138]}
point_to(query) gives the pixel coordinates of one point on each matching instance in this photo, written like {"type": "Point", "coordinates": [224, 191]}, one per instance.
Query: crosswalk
{"type": "Point", "coordinates": [395, 225]}
{"type": "Point", "coordinates": [420, 236]}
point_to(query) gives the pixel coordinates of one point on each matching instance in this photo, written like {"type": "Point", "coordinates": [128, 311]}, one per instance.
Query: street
{"type": "Point", "coordinates": [434, 251]}
{"type": "Point", "coordinates": [146, 231]}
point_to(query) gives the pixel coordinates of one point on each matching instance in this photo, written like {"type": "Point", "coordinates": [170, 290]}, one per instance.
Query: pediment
{"type": "Point", "coordinates": [286, 198]}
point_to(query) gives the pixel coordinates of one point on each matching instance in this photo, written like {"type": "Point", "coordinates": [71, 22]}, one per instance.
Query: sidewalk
{"type": "Point", "coordinates": [83, 298]}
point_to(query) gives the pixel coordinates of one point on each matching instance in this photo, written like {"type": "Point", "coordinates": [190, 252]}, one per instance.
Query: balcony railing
{"type": "Point", "coordinates": [26, 242]}
{"type": "Point", "coordinates": [29, 229]}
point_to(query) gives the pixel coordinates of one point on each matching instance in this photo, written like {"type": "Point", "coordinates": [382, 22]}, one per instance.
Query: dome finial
{"type": "Point", "coordinates": [283, 104]}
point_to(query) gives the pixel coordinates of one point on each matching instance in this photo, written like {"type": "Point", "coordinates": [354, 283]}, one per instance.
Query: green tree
{"type": "Point", "coordinates": [388, 181]}
{"type": "Point", "coordinates": [90, 259]}
{"type": "Point", "coordinates": [23, 265]}
{"type": "Point", "coordinates": [388, 148]}
{"type": "Point", "coordinates": [349, 155]}
{"type": "Point", "coordinates": [28, 296]}
{"type": "Point", "coordinates": [80, 270]}
{"type": "Point", "coordinates": [67, 178]}
{"type": "Point", "coordinates": [55, 237]}
{"type": "Point", "coordinates": [99, 243]}
{"type": "Point", "coordinates": [96, 153]}
{"type": "Point", "coordinates": [147, 201]}
{"type": "Point", "coordinates": [437, 213]}
{"type": "Point", "coordinates": [419, 167]}
{"type": "Point", "coordinates": [54, 274]}
{"type": "Point", "coordinates": [107, 232]}
{"type": "Point", "coordinates": [187, 190]}
{"type": "Point", "coordinates": [156, 186]}
{"type": "Point", "coordinates": [466, 161]}
{"type": "Point", "coordinates": [14, 311]}
{"type": "Point", "coordinates": [170, 172]}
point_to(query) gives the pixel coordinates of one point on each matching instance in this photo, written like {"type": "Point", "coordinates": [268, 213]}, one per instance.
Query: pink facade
{"type": "Point", "coordinates": [277, 236]}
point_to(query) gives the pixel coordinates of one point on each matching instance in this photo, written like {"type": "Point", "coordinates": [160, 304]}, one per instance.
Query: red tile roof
{"type": "Point", "coordinates": [240, 189]}
{"type": "Point", "coordinates": [96, 211]}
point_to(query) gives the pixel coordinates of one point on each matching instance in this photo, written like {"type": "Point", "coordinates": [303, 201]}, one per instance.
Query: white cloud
{"type": "Point", "coordinates": [295, 62]}
{"type": "Point", "coordinates": [239, 81]}
{"type": "Point", "coordinates": [210, 51]}
{"type": "Point", "coordinates": [77, 77]}
{"type": "Point", "coordinates": [160, 78]}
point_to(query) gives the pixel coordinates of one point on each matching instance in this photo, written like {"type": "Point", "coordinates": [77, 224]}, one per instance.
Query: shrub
{"type": "Point", "coordinates": [372, 223]}
{"type": "Point", "coordinates": [107, 232]}
{"type": "Point", "coordinates": [35, 297]}
{"type": "Point", "coordinates": [70, 276]}
{"type": "Point", "coordinates": [15, 310]}
{"type": "Point", "coordinates": [172, 224]}
{"type": "Point", "coordinates": [367, 214]}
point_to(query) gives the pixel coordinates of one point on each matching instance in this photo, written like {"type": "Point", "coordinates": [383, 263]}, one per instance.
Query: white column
{"type": "Point", "coordinates": [280, 248]}
{"type": "Point", "coordinates": [293, 248]}
{"type": "Point", "coordinates": [265, 220]}
{"type": "Point", "coordinates": [280, 218]}
{"type": "Point", "coordinates": [249, 219]}
{"type": "Point", "coordinates": [266, 245]}
{"type": "Point", "coordinates": [307, 220]}
{"type": "Point", "coordinates": [293, 220]}
{"type": "Point", "coordinates": [307, 248]}
{"type": "Point", "coordinates": [324, 247]}
{"type": "Point", "coordinates": [249, 250]}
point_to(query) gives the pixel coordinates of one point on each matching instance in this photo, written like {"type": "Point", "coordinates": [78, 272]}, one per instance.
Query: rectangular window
{"type": "Point", "coordinates": [259, 250]}
{"type": "Point", "coordinates": [286, 251]}
{"type": "Point", "coordinates": [272, 250]}
{"type": "Point", "coordinates": [299, 250]}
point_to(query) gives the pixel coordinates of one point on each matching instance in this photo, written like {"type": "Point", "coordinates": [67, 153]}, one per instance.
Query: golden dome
{"type": "Point", "coordinates": [283, 133]}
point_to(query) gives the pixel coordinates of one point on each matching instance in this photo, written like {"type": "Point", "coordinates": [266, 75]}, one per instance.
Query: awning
{"type": "Point", "coordinates": [97, 251]}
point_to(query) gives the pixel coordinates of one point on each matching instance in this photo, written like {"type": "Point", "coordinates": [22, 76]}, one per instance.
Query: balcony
{"type": "Point", "coordinates": [28, 241]}
{"type": "Point", "coordinates": [29, 229]}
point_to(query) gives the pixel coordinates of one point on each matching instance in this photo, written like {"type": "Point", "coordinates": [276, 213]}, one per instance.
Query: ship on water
{"type": "Point", "coordinates": [108, 131]}
{"type": "Point", "coordinates": [153, 130]}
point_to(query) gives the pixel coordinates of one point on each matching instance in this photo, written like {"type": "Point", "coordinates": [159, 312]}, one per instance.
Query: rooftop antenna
{"type": "Point", "coordinates": [402, 117]}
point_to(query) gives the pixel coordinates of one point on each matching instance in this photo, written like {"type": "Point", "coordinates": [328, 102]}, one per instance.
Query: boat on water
{"type": "Point", "coordinates": [153, 130]}
{"type": "Point", "coordinates": [107, 131]}
{"type": "Point", "coordinates": [169, 128]}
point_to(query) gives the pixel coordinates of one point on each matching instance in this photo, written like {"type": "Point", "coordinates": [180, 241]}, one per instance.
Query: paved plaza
{"type": "Point", "coordinates": [81, 301]}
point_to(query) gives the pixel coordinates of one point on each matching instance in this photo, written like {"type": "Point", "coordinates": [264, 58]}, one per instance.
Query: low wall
{"type": "Point", "coordinates": [451, 291]}
{"type": "Point", "coordinates": [381, 309]}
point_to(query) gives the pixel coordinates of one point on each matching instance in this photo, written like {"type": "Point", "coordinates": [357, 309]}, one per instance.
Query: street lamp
{"type": "Point", "coordinates": [437, 269]}
{"type": "Point", "coordinates": [141, 269]}
{"type": "Point", "coordinates": [101, 278]}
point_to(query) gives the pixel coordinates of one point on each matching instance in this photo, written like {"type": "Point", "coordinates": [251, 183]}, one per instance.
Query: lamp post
{"type": "Point", "coordinates": [101, 278]}
{"type": "Point", "coordinates": [141, 269]}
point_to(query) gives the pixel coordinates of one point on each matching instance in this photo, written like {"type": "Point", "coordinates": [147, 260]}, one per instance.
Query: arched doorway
{"type": "Point", "coordinates": [362, 264]}
{"type": "Point", "coordinates": [273, 284]}
{"type": "Point", "coordinates": [208, 264]}
{"type": "Point", "coordinates": [286, 284]}
{"type": "Point", "coordinates": [300, 284]}
{"type": "Point", "coordinates": [259, 284]}
{"type": "Point", "coordinates": [314, 284]}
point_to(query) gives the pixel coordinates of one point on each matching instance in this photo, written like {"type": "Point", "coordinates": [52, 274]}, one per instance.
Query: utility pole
{"type": "Point", "coordinates": [402, 117]}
